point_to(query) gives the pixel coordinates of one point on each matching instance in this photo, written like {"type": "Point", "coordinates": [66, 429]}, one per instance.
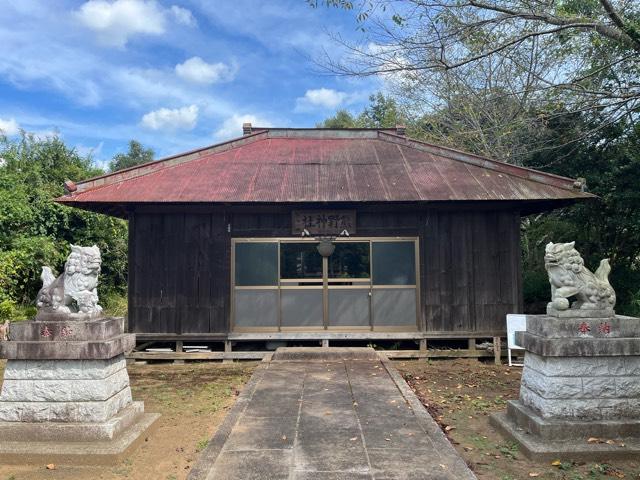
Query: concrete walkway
{"type": "Point", "coordinates": [331, 414]}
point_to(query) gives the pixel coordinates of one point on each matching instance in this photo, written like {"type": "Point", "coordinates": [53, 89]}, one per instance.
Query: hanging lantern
{"type": "Point", "coordinates": [326, 247]}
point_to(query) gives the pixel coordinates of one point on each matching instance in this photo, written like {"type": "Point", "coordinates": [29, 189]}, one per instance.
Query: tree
{"type": "Point", "coordinates": [36, 231]}
{"type": "Point", "coordinates": [382, 112]}
{"type": "Point", "coordinates": [573, 56]}
{"type": "Point", "coordinates": [342, 119]}
{"type": "Point", "coordinates": [604, 228]}
{"type": "Point", "coordinates": [136, 155]}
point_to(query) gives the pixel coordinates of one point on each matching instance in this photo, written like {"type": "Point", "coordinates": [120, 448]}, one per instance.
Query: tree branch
{"type": "Point", "coordinates": [631, 32]}
{"type": "Point", "coordinates": [604, 30]}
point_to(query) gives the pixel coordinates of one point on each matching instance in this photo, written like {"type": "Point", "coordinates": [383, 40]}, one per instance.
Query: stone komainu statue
{"type": "Point", "coordinates": [75, 290]}
{"type": "Point", "coordinates": [570, 278]}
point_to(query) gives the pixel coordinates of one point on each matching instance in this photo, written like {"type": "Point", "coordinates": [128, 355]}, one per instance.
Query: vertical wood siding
{"type": "Point", "coordinates": [179, 279]}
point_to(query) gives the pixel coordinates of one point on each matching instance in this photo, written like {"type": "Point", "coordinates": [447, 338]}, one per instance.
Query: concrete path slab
{"type": "Point", "coordinates": [331, 414]}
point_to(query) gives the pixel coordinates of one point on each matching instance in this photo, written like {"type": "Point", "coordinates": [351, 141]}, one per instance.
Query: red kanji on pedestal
{"type": "Point", "coordinates": [66, 331]}
{"type": "Point", "coordinates": [45, 332]}
{"type": "Point", "coordinates": [604, 328]}
{"type": "Point", "coordinates": [584, 328]}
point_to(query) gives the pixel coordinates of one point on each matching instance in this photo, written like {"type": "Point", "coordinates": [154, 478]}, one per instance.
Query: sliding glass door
{"type": "Point", "coordinates": [286, 284]}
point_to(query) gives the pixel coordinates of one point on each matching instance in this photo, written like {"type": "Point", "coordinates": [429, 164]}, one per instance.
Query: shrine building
{"type": "Point", "coordinates": [305, 233]}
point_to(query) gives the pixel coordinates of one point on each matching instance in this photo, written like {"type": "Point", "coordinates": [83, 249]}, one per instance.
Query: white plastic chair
{"type": "Point", "coordinates": [515, 323]}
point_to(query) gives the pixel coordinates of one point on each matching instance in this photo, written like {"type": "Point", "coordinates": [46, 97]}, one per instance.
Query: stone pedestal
{"type": "Point", "coordinates": [66, 395]}
{"type": "Point", "coordinates": [580, 381]}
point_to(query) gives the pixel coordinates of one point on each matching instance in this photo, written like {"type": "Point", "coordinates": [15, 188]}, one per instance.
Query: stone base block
{"type": "Point", "coordinates": [64, 390]}
{"type": "Point", "coordinates": [520, 425]}
{"type": "Point", "coordinates": [582, 388]}
{"type": "Point", "coordinates": [618, 326]}
{"type": "Point", "coordinates": [102, 328]}
{"type": "Point", "coordinates": [63, 369]}
{"type": "Point", "coordinates": [72, 432]}
{"type": "Point", "coordinates": [68, 350]}
{"type": "Point", "coordinates": [65, 412]}
{"type": "Point", "coordinates": [105, 452]}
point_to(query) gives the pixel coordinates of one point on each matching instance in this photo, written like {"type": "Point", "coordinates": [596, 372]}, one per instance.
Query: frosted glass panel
{"type": "Point", "coordinates": [301, 308]}
{"type": "Point", "coordinates": [394, 263]}
{"type": "Point", "coordinates": [348, 307]}
{"type": "Point", "coordinates": [256, 264]}
{"type": "Point", "coordinates": [394, 306]}
{"type": "Point", "coordinates": [256, 308]}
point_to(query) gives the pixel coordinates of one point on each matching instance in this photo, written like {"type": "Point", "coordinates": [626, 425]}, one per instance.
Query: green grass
{"type": "Point", "coordinates": [202, 444]}
{"type": "Point", "coordinates": [114, 304]}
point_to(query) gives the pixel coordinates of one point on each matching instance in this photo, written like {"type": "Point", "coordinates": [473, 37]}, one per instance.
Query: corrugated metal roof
{"type": "Point", "coordinates": [309, 165]}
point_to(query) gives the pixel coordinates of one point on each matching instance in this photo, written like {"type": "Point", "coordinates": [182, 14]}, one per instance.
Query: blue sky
{"type": "Point", "coordinates": [174, 75]}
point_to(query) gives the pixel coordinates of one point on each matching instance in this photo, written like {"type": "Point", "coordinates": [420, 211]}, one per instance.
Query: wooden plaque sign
{"type": "Point", "coordinates": [323, 222]}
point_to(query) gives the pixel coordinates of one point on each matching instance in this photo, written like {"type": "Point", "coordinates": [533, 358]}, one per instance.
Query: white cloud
{"type": "Point", "coordinates": [9, 127]}
{"type": "Point", "coordinates": [86, 151]}
{"type": "Point", "coordinates": [322, 97]}
{"type": "Point", "coordinates": [184, 118]}
{"type": "Point", "coordinates": [197, 70]}
{"type": "Point", "coordinates": [183, 16]}
{"type": "Point", "coordinates": [326, 99]}
{"type": "Point", "coordinates": [232, 126]}
{"type": "Point", "coordinates": [46, 134]}
{"type": "Point", "coordinates": [116, 21]}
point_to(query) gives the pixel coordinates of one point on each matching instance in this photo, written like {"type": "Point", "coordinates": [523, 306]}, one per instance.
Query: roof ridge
{"type": "Point", "coordinates": [160, 164]}
{"type": "Point", "coordinates": [481, 161]}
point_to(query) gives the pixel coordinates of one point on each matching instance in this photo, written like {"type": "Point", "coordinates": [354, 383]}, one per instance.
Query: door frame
{"type": "Point", "coordinates": [325, 280]}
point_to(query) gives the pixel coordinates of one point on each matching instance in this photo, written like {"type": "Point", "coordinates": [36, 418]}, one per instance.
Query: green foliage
{"type": "Point", "coordinates": [36, 231]}
{"type": "Point", "coordinates": [136, 155]}
{"type": "Point", "coordinates": [114, 304]}
{"type": "Point", "coordinates": [382, 112]}
{"type": "Point", "coordinates": [604, 228]}
{"type": "Point", "coordinates": [342, 119]}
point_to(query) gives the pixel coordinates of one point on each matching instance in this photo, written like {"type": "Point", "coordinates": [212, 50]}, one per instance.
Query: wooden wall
{"type": "Point", "coordinates": [180, 265]}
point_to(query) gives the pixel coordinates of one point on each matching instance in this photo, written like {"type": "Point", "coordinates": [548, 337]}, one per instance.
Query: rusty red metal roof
{"type": "Point", "coordinates": [319, 165]}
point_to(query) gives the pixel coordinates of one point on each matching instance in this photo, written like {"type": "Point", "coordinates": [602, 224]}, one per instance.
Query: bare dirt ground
{"type": "Point", "coordinates": [193, 399]}
{"type": "Point", "coordinates": [461, 394]}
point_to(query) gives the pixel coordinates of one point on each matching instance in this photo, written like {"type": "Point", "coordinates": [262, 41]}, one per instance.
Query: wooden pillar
{"type": "Point", "coordinates": [325, 343]}
{"type": "Point", "coordinates": [423, 344]}
{"type": "Point", "coordinates": [227, 349]}
{"type": "Point", "coordinates": [179, 349]}
{"type": "Point", "coordinates": [472, 344]}
{"type": "Point", "coordinates": [497, 350]}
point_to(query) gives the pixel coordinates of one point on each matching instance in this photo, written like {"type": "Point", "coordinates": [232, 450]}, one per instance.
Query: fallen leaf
{"type": "Point", "coordinates": [51, 466]}
{"type": "Point", "coordinates": [284, 437]}
{"type": "Point", "coordinates": [556, 463]}
{"type": "Point", "coordinates": [534, 474]}
{"type": "Point", "coordinates": [353, 439]}
{"type": "Point", "coordinates": [448, 428]}
{"type": "Point", "coordinates": [593, 440]}
{"type": "Point", "coordinates": [610, 442]}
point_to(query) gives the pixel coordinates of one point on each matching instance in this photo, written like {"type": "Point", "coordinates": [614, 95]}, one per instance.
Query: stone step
{"type": "Point", "coordinates": [574, 449]}
{"type": "Point", "coordinates": [325, 354]}
{"type": "Point", "coordinates": [530, 422]}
